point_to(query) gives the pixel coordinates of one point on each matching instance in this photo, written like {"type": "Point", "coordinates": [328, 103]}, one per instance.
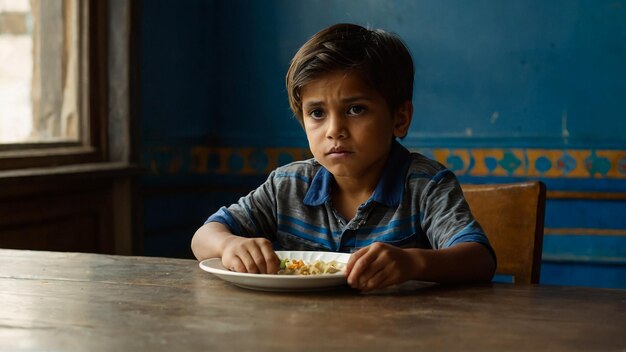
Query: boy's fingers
{"type": "Point", "coordinates": [272, 263]}
{"type": "Point", "coordinates": [353, 258]}
{"type": "Point", "coordinates": [375, 267]}
{"type": "Point", "coordinates": [361, 266]}
{"type": "Point", "coordinates": [234, 264]}
{"type": "Point", "coordinates": [377, 280]}
{"type": "Point", "coordinates": [259, 259]}
{"type": "Point", "coordinates": [248, 262]}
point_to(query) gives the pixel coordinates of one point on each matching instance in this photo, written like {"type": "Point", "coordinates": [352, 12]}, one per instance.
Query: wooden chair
{"type": "Point", "coordinates": [512, 216]}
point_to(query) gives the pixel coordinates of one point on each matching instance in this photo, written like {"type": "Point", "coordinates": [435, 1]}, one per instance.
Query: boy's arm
{"type": "Point", "coordinates": [241, 254]}
{"type": "Point", "coordinates": [208, 240]}
{"type": "Point", "coordinates": [380, 265]}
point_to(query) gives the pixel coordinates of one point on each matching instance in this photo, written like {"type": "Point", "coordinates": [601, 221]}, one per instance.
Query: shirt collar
{"type": "Point", "coordinates": [389, 189]}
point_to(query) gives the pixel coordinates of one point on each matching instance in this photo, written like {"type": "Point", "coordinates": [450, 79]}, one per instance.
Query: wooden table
{"type": "Point", "coordinates": [89, 302]}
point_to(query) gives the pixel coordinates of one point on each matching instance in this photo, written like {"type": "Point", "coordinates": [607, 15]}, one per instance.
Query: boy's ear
{"type": "Point", "coordinates": [402, 119]}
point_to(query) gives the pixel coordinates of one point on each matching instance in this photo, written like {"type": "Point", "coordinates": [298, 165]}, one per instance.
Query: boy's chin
{"type": "Point", "coordinates": [342, 171]}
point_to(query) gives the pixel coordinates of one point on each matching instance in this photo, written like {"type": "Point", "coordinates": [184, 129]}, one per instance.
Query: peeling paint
{"type": "Point", "coordinates": [494, 117]}
{"type": "Point", "coordinates": [564, 130]}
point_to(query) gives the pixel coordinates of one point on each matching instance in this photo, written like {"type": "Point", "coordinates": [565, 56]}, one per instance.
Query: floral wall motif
{"type": "Point", "coordinates": [504, 162]}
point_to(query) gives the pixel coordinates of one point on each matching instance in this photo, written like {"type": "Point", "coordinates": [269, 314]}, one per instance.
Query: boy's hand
{"type": "Point", "coordinates": [379, 265]}
{"type": "Point", "coordinates": [250, 255]}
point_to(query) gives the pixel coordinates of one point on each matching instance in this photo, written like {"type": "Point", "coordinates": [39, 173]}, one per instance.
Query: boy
{"type": "Point", "coordinates": [403, 215]}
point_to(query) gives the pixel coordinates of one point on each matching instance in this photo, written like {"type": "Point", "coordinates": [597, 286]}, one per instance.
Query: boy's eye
{"type": "Point", "coordinates": [316, 114]}
{"type": "Point", "coordinates": [356, 110]}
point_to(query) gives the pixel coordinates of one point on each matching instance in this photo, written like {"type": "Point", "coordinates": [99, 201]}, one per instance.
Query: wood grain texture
{"type": "Point", "coordinates": [81, 208]}
{"type": "Point", "coordinates": [512, 216]}
{"type": "Point", "coordinates": [91, 302]}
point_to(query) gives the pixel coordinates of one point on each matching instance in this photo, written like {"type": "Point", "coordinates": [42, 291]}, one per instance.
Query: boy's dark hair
{"type": "Point", "coordinates": [379, 57]}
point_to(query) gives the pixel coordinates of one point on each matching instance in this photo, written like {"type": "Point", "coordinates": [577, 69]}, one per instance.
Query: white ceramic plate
{"type": "Point", "coordinates": [268, 282]}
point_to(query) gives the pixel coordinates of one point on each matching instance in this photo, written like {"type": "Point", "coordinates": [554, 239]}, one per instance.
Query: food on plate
{"type": "Point", "coordinates": [318, 267]}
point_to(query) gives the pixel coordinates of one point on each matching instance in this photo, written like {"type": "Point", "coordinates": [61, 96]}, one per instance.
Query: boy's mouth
{"type": "Point", "coordinates": [338, 150]}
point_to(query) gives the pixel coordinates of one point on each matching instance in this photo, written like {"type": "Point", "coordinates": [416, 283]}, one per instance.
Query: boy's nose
{"type": "Point", "coordinates": [336, 127]}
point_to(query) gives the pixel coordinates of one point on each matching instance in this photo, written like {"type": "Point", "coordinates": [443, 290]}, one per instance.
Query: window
{"type": "Point", "coordinates": [66, 183]}
{"type": "Point", "coordinates": [52, 82]}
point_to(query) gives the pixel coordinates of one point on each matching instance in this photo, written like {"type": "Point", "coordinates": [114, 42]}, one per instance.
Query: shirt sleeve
{"type": "Point", "coordinates": [254, 215]}
{"type": "Point", "coordinates": [446, 216]}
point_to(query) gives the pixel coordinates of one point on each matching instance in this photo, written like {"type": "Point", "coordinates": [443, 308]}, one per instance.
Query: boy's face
{"type": "Point", "coordinates": [349, 125]}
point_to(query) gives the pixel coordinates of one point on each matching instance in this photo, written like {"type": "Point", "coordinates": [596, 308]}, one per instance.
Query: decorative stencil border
{"type": "Point", "coordinates": [514, 162]}
{"type": "Point", "coordinates": [549, 163]}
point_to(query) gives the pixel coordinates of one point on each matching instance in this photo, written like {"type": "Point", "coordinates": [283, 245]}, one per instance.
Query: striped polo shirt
{"type": "Point", "coordinates": [417, 203]}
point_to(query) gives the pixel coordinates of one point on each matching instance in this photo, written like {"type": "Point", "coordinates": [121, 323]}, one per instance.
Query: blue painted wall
{"type": "Point", "coordinates": [504, 91]}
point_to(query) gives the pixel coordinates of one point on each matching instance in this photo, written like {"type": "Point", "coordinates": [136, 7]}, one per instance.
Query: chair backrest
{"type": "Point", "coordinates": [512, 216]}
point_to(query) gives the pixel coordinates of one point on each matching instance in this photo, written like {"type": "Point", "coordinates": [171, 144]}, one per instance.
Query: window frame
{"type": "Point", "coordinates": [93, 144]}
